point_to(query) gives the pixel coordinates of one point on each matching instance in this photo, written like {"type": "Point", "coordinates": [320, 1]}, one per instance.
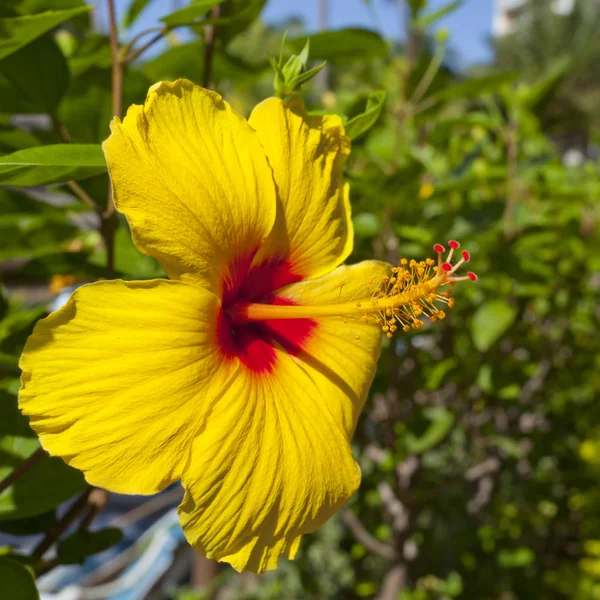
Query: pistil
{"type": "Point", "coordinates": [397, 300]}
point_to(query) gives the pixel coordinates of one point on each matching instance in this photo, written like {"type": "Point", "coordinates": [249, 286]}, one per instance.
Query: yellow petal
{"type": "Point", "coordinates": [193, 181]}
{"type": "Point", "coordinates": [274, 461]}
{"type": "Point", "coordinates": [114, 382]}
{"type": "Point", "coordinates": [313, 230]}
{"type": "Point", "coordinates": [343, 351]}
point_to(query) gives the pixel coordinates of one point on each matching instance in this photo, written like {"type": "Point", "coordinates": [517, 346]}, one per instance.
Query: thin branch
{"type": "Point", "coordinates": [25, 466]}
{"type": "Point", "coordinates": [209, 47]}
{"type": "Point", "coordinates": [512, 182]}
{"type": "Point", "coordinates": [535, 383]}
{"type": "Point", "coordinates": [117, 70]}
{"type": "Point", "coordinates": [362, 536]}
{"type": "Point", "coordinates": [126, 50]}
{"type": "Point", "coordinates": [148, 508]}
{"type": "Point", "coordinates": [63, 133]}
{"type": "Point", "coordinates": [108, 217]}
{"type": "Point", "coordinates": [97, 500]}
{"type": "Point", "coordinates": [83, 195]}
{"type": "Point", "coordinates": [52, 536]}
{"type": "Point", "coordinates": [429, 75]}
{"type": "Point", "coordinates": [135, 53]}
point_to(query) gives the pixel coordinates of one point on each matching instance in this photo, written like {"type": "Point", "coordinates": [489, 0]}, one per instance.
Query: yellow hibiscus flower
{"type": "Point", "coordinates": [243, 375]}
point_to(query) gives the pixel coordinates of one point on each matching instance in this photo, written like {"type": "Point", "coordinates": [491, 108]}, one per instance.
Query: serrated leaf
{"type": "Point", "coordinates": [363, 122]}
{"type": "Point", "coordinates": [490, 322]}
{"type": "Point", "coordinates": [44, 165]}
{"type": "Point", "coordinates": [16, 581]}
{"type": "Point", "coordinates": [20, 31]}
{"type": "Point", "coordinates": [75, 548]}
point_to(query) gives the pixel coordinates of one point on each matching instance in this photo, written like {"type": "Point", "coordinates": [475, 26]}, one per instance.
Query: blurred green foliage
{"type": "Point", "coordinates": [480, 444]}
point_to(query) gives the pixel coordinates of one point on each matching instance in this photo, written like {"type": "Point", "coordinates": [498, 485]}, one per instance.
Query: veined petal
{"type": "Point", "coordinates": [274, 461]}
{"type": "Point", "coordinates": [313, 230]}
{"type": "Point", "coordinates": [193, 181]}
{"type": "Point", "coordinates": [116, 381]}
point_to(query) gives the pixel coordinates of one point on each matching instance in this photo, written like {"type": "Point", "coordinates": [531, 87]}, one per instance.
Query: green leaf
{"type": "Point", "coordinates": [442, 421]}
{"type": "Point", "coordinates": [3, 304]}
{"type": "Point", "coordinates": [16, 581]}
{"type": "Point", "coordinates": [343, 46]}
{"type": "Point", "coordinates": [75, 548]}
{"type": "Point", "coordinates": [490, 322]}
{"type": "Point", "coordinates": [12, 421]}
{"type": "Point", "coordinates": [86, 108]}
{"type": "Point", "coordinates": [237, 16]}
{"type": "Point", "coordinates": [297, 82]}
{"type": "Point", "coordinates": [471, 88]}
{"type": "Point", "coordinates": [192, 14]}
{"type": "Point", "coordinates": [93, 52]}
{"type": "Point", "coordinates": [129, 261]}
{"type": "Point", "coordinates": [136, 7]}
{"type": "Point", "coordinates": [186, 60]}
{"type": "Point", "coordinates": [63, 263]}
{"type": "Point", "coordinates": [534, 95]}
{"type": "Point", "coordinates": [34, 7]}
{"type": "Point", "coordinates": [31, 525]}
{"type": "Point", "coordinates": [429, 19]}
{"type": "Point", "coordinates": [366, 225]}
{"type": "Point", "coordinates": [416, 6]}
{"type": "Point", "coordinates": [44, 165]}
{"type": "Point", "coordinates": [19, 31]}
{"type": "Point", "coordinates": [363, 122]}
{"type": "Point", "coordinates": [38, 74]}
{"type": "Point", "coordinates": [515, 558]}
{"type": "Point", "coordinates": [439, 371]}
{"type": "Point", "coordinates": [46, 485]}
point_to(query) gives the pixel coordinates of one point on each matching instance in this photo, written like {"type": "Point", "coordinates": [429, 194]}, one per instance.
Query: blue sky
{"type": "Point", "coordinates": [469, 26]}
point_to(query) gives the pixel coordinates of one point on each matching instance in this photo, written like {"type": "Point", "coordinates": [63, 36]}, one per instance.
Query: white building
{"type": "Point", "coordinates": [506, 13]}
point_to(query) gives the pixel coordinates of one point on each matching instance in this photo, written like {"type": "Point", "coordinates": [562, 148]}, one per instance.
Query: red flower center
{"type": "Point", "coordinates": [254, 344]}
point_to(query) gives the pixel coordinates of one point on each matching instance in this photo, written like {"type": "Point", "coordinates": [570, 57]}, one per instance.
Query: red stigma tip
{"type": "Point", "coordinates": [466, 256]}
{"type": "Point", "coordinates": [447, 267]}
{"type": "Point", "coordinates": [439, 248]}
{"type": "Point", "coordinates": [472, 276]}
{"type": "Point", "coordinates": [453, 244]}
